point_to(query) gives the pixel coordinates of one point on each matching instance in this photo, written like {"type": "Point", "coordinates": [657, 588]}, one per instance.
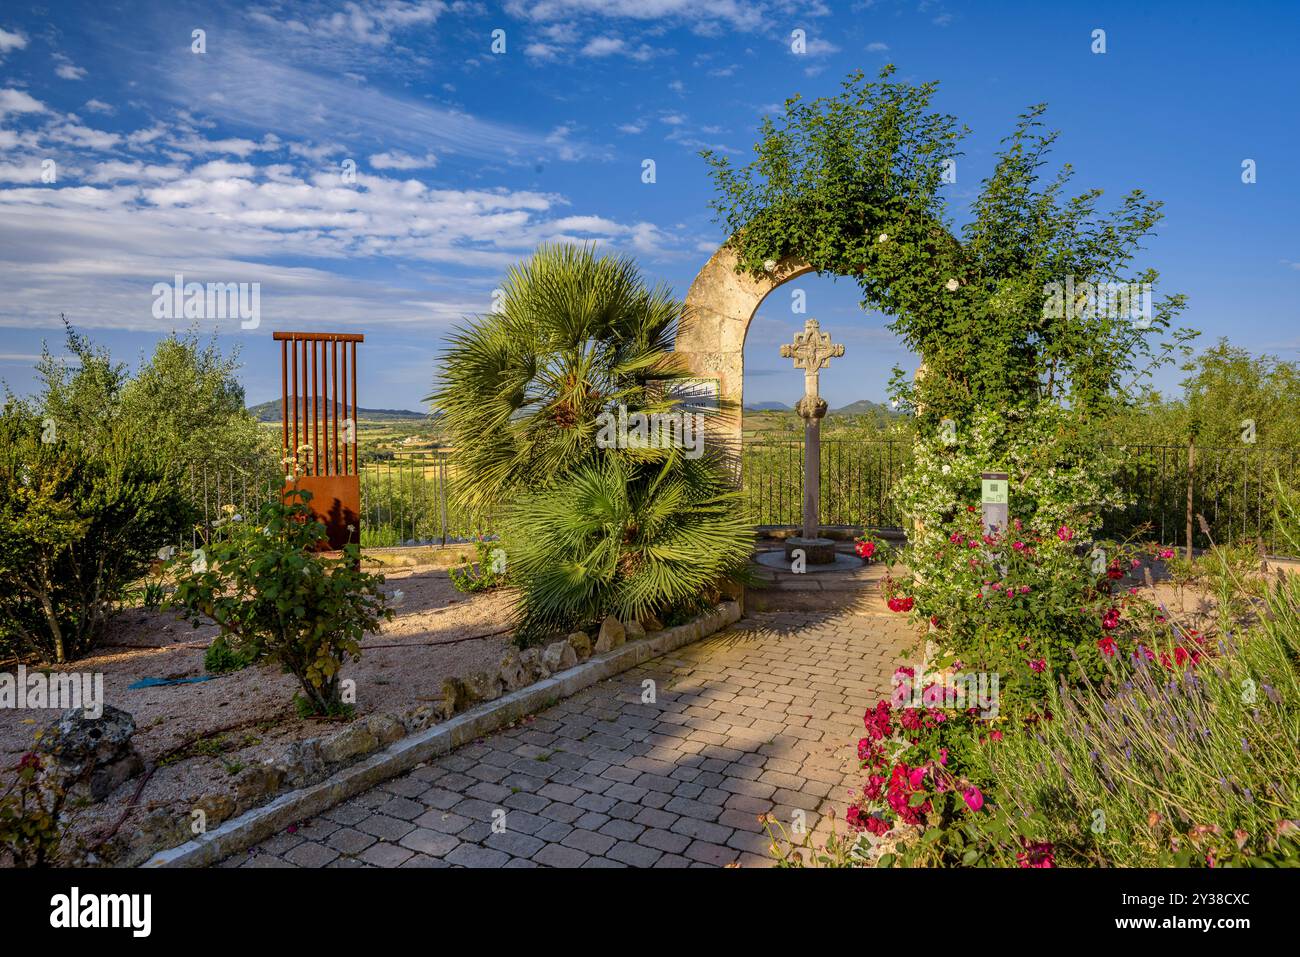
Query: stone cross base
{"type": "Point", "coordinates": [817, 551]}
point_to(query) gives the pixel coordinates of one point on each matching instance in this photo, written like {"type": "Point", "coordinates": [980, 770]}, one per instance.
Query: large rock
{"type": "Point", "coordinates": [256, 785]}
{"type": "Point", "coordinates": [531, 659]}
{"type": "Point", "coordinates": [419, 717]}
{"type": "Point", "coordinates": [634, 631]}
{"type": "Point", "coordinates": [581, 645]}
{"type": "Point", "coordinates": [455, 697]}
{"type": "Point", "coordinates": [93, 756]}
{"type": "Point", "coordinates": [652, 623]}
{"type": "Point", "coordinates": [612, 635]}
{"type": "Point", "coordinates": [484, 685]}
{"type": "Point", "coordinates": [513, 673]}
{"type": "Point", "coordinates": [352, 742]}
{"type": "Point", "coordinates": [559, 656]}
{"type": "Point", "coordinates": [386, 728]}
{"type": "Point", "coordinates": [302, 763]}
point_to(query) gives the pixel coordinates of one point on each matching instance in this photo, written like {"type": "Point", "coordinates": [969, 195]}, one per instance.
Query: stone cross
{"type": "Point", "coordinates": [811, 351]}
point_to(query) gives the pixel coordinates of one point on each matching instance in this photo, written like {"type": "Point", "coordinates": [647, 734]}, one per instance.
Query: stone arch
{"type": "Point", "coordinates": [711, 339]}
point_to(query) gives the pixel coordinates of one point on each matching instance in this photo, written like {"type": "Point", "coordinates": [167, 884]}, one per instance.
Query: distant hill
{"type": "Point", "coordinates": [866, 407]}
{"type": "Point", "coordinates": [767, 407]}
{"type": "Point", "coordinates": [270, 412]}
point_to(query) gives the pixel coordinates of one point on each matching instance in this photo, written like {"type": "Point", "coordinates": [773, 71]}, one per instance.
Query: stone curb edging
{"type": "Point", "coordinates": [260, 823]}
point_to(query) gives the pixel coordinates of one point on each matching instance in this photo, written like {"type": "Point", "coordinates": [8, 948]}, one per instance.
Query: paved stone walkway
{"type": "Point", "coordinates": [759, 719]}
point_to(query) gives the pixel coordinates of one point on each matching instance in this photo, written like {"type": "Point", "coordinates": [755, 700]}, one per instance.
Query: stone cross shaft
{"type": "Point", "coordinates": [811, 351]}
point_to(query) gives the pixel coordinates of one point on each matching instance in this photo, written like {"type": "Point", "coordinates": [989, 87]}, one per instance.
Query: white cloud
{"type": "Point", "coordinates": [632, 128]}
{"type": "Point", "coordinates": [233, 221]}
{"type": "Point", "coordinates": [738, 14]}
{"type": "Point", "coordinates": [819, 47]}
{"type": "Point", "coordinates": [83, 137]}
{"type": "Point", "coordinates": [11, 41]}
{"type": "Point", "coordinates": [269, 93]}
{"type": "Point", "coordinates": [540, 51]}
{"type": "Point", "coordinates": [16, 101]}
{"type": "Point", "coordinates": [99, 106]}
{"type": "Point", "coordinates": [399, 160]}
{"type": "Point", "coordinates": [877, 47]}
{"type": "Point", "coordinates": [603, 46]}
{"type": "Point", "coordinates": [68, 71]}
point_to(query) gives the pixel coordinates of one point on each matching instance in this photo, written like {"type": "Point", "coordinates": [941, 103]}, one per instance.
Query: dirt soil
{"type": "Point", "coordinates": [248, 716]}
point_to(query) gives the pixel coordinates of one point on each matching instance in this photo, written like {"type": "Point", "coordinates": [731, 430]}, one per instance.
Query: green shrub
{"type": "Point", "coordinates": [488, 572]}
{"type": "Point", "coordinates": [221, 657]}
{"type": "Point", "coordinates": [274, 594]}
{"type": "Point", "coordinates": [624, 538]}
{"type": "Point", "coordinates": [32, 828]}
{"type": "Point", "coordinates": [79, 522]}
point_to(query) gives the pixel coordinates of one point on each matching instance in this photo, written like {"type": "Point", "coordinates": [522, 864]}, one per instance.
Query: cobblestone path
{"type": "Point", "coordinates": [759, 719]}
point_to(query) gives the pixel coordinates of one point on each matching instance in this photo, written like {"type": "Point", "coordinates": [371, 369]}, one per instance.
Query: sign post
{"type": "Point", "coordinates": [995, 502]}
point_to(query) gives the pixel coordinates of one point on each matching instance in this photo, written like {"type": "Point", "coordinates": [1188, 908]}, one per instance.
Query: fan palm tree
{"type": "Point", "coordinates": [623, 537]}
{"type": "Point", "coordinates": [521, 389]}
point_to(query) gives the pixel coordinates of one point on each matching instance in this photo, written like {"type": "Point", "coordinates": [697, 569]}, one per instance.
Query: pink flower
{"type": "Point", "coordinates": [1036, 854]}
{"type": "Point", "coordinates": [1024, 589]}
{"type": "Point", "coordinates": [916, 778]}
{"type": "Point", "coordinates": [1065, 533]}
{"type": "Point", "coordinates": [1107, 646]}
{"type": "Point", "coordinates": [1038, 664]}
{"type": "Point", "coordinates": [1166, 553]}
{"type": "Point", "coordinates": [973, 798]}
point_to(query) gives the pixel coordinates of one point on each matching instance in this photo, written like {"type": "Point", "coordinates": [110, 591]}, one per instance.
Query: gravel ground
{"type": "Point", "coordinates": [401, 666]}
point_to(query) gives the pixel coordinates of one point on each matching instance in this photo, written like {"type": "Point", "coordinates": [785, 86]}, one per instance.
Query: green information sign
{"type": "Point", "coordinates": [994, 491]}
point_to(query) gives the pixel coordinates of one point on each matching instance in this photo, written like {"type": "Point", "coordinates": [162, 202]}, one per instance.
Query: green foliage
{"type": "Point", "coordinates": [81, 517]}
{"type": "Point", "coordinates": [184, 405]}
{"type": "Point", "coordinates": [32, 827]}
{"type": "Point", "coordinates": [487, 573]}
{"type": "Point", "coordinates": [625, 538]}
{"type": "Point", "coordinates": [1225, 388]}
{"type": "Point", "coordinates": [222, 657]}
{"type": "Point", "coordinates": [521, 389]}
{"type": "Point", "coordinates": [851, 185]}
{"type": "Point", "coordinates": [274, 594]}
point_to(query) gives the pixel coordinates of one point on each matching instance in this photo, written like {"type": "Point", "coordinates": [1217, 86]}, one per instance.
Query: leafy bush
{"type": "Point", "coordinates": [32, 829]}
{"type": "Point", "coordinates": [626, 539]}
{"type": "Point", "coordinates": [274, 594]}
{"type": "Point", "coordinates": [221, 657]}
{"type": "Point", "coordinates": [488, 572]}
{"type": "Point", "coordinates": [79, 523]}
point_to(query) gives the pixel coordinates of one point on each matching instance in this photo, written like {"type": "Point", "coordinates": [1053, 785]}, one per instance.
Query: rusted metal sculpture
{"type": "Point", "coordinates": [318, 404]}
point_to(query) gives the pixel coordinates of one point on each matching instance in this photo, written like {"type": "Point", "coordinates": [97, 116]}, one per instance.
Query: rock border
{"type": "Point", "coordinates": [288, 808]}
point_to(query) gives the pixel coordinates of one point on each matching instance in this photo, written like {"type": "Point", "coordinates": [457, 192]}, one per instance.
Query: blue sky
{"type": "Point", "coordinates": [225, 166]}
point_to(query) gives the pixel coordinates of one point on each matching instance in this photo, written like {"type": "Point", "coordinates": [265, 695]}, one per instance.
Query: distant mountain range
{"type": "Point", "coordinates": [270, 412]}
{"type": "Point", "coordinates": [861, 407]}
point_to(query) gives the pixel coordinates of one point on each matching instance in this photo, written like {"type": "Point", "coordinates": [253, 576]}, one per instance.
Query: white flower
{"type": "Point", "coordinates": [883, 237]}
{"type": "Point", "coordinates": [769, 265]}
{"type": "Point", "coordinates": [953, 285]}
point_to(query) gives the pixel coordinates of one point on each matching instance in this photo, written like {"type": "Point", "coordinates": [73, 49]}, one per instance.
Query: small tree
{"type": "Point", "coordinates": [274, 594]}
{"type": "Point", "coordinates": [80, 519]}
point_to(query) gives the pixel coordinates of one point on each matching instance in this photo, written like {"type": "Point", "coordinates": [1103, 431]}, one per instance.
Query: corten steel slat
{"type": "Point", "coordinates": [293, 350]}
{"type": "Point", "coordinates": [315, 408]}
{"type": "Point", "coordinates": [306, 428]}
{"type": "Point", "coordinates": [334, 402]}
{"type": "Point", "coordinates": [284, 395]}
{"type": "Point", "coordinates": [345, 410]}
{"type": "Point", "coordinates": [355, 468]}
{"type": "Point", "coordinates": [325, 402]}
